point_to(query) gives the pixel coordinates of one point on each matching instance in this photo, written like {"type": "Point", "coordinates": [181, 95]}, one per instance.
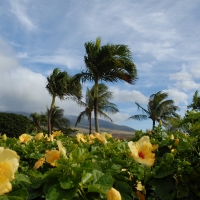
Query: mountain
{"type": "Point", "coordinates": [84, 124]}
{"type": "Point", "coordinates": [103, 124]}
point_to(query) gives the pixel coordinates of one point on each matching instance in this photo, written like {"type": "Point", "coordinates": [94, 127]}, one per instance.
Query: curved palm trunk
{"type": "Point", "coordinates": [95, 106]}
{"type": "Point", "coordinates": [154, 123]}
{"type": "Point", "coordinates": [49, 116]}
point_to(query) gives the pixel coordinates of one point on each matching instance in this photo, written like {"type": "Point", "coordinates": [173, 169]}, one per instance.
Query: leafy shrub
{"type": "Point", "coordinates": [12, 124]}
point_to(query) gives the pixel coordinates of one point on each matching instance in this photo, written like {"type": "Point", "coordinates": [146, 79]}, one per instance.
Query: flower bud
{"type": "Point", "coordinates": [176, 142]}
{"type": "Point", "coordinates": [113, 194]}
{"type": "Point", "coordinates": [4, 137]}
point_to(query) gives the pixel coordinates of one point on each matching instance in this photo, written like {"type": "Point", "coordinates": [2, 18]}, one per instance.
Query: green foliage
{"type": "Point", "coordinates": [13, 124]}
{"type": "Point", "coordinates": [89, 169]}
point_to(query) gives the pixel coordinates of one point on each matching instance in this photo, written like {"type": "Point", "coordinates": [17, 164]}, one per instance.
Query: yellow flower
{"type": "Point", "coordinates": [56, 133]}
{"type": "Point", "coordinates": [80, 137]}
{"type": "Point", "coordinates": [25, 138]}
{"type": "Point", "coordinates": [171, 137]}
{"type": "Point", "coordinates": [4, 137]}
{"type": "Point", "coordinates": [39, 163]}
{"type": "Point", "coordinates": [108, 135]}
{"type": "Point", "coordinates": [39, 136]}
{"type": "Point", "coordinates": [52, 156]}
{"type": "Point", "coordinates": [142, 151]}
{"type": "Point", "coordinates": [113, 194]}
{"type": "Point", "coordinates": [9, 163]}
{"type": "Point", "coordinates": [62, 149]}
{"type": "Point", "coordinates": [100, 137]}
{"type": "Point", "coordinates": [139, 186]}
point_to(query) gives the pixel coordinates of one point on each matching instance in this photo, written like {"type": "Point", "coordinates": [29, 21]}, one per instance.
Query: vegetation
{"type": "Point", "coordinates": [13, 124]}
{"type": "Point", "coordinates": [103, 105]}
{"type": "Point", "coordinates": [61, 85]}
{"type": "Point", "coordinates": [160, 166]}
{"type": "Point", "coordinates": [109, 63]}
{"type": "Point", "coordinates": [158, 109]}
{"type": "Point", "coordinates": [195, 105]}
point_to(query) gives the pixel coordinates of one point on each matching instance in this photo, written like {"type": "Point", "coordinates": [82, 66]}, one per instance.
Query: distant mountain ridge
{"type": "Point", "coordinates": [103, 124]}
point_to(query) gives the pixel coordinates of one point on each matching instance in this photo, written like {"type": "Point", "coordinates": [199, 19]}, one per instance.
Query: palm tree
{"type": "Point", "coordinates": [158, 108]}
{"type": "Point", "coordinates": [103, 105]}
{"type": "Point", "coordinates": [109, 63]}
{"type": "Point", "coordinates": [38, 121]}
{"type": "Point", "coordinates": [61, 85]}
{"type": "Point", "coordinates": [58, 120]}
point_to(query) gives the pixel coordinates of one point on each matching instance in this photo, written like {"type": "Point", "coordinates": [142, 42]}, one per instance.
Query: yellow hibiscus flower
{"type": "Point", "coordinates": [56, 133]}
{"type": "Point", "coordinates": [51, 156]}
{"type": "Point", "coordinates": [39, 136]}
{"type": "Point", "coordinates": [100, 137]}
{"type": "Point", "coordinates": [9, 163]}
{"type": "Point", "coordinates": [113, 194]}
{"type": "Point", "coordinates": [62, 149]}
{"type": "Point", "coordinates": [25, 138]}
{"type": "Point", "coordinates": [39, 163]}
{"type": "Point", "coordinates": [142, 151]}
{"type": "Point", "coordinates": [80, 137]}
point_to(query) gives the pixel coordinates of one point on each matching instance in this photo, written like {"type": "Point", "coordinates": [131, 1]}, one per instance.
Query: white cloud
{"type": "Point", "coordinates": [128, 96]}
{"type": "Point", "coordinates": [185, 79]}
{"type": "Point", "coordinates": [195, 70]}
{"type": "Point", "coordinates": [67, 58]}
{"type": "Point", "coordinates": [177, 95]}
{"type": "Point", "coordinates": [19, 10]}
{"type": "Point", "coordinates": [23, 90]}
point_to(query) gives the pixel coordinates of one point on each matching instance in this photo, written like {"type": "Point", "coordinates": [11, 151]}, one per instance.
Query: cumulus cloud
{"type": "Point", "coordinates": [24, 90]}
{"type": "Point", "coordinates": [128, 96]}
{"type": "Point", "coordinates": [177, 95]}
{"type": "Point", "coordinates": [185, 79]}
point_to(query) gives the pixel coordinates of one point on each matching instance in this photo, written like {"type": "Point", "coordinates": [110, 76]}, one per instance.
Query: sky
{"type": "Point", "coordinates": [38, 36]}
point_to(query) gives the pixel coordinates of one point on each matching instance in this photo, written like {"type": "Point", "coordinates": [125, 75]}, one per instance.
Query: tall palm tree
{"type": "Point", "coordinates": [103, 105]}
{"type": "Point", "coordinates": [109, 63]}
{"type": "Point", "coordinates": [61, 85]}
{"type": "Point", "coordinates": [158, 108]}
{"type": "Point", "coordinates": [58, 120]}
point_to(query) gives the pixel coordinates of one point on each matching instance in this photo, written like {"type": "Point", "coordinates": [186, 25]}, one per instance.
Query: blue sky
{"type": "Point", "coordinates": [38, 36]}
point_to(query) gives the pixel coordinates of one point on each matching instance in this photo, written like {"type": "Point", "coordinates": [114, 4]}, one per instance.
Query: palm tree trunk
{"type": "Point", "coordinates": [154, 123]}
{"type": "Point", "coordinates": [95, 106]}
{"type": "Point", "coordinates": [49, 116]}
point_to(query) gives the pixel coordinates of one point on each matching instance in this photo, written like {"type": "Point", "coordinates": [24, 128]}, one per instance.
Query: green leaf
{"type": "Point", "coordinates": [182, 146]}
{"type": "Point", "coordinates": [124, 189]}
{"type": "Point", "coordinates": [164, 171]}
{"type": "Point", "coordinates": [163, 187]}
{"type": "Point", "coordinates": [78, 154]}
{"type": "Point", "coordinates": [102, 185]}
{"type": "Point", "coordinates": [18, 193]}
{"type": "Point", "coordinates": [86, 177]}
{"type": "Point", "coordinates": [55, 192]}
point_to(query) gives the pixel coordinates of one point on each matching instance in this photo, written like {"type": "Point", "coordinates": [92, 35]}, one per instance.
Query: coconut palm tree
{"type": "Point", "coordinates": [58, 120]}
{"type": "Point", "coordinates": [61, 85]}
{"type": "Point", "coordinates": [103, 105]}
{"type": "Point", "coordinates": [158, 108]}
{"type": "Point", "coordinates": [109, 63]}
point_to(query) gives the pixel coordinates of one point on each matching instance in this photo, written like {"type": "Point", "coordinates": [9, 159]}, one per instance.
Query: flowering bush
{"type": "Point", "coordinates": [152, 166]}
